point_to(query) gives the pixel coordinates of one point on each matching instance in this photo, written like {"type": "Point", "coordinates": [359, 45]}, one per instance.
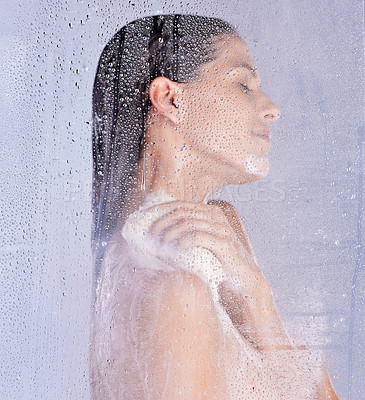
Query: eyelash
{"type": "Point", "coordinates": [247, 89]}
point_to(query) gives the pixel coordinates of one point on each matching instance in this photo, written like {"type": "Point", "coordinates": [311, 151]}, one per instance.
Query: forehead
{"type": "Point", "coordinates": [233, 48]}
{"type": "Point", "coordinates": [231, 53]}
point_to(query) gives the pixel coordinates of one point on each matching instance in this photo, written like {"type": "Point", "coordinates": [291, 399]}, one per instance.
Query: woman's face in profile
{"type": "Point", "coordinates": [228, 116]}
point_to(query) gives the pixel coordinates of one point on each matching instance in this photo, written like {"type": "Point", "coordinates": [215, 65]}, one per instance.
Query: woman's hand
{"type": "Point", "coordinates": [251, 308]}
{"type": "Point", "coordinates": [188, 224]}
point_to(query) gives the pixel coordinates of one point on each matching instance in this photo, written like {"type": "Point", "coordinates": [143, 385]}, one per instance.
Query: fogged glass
{"type": "Point", "coordinates": [86, 315]}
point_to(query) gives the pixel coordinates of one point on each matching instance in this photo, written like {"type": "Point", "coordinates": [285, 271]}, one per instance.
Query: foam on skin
{"type": "Point", "coordinates": [257, 165]}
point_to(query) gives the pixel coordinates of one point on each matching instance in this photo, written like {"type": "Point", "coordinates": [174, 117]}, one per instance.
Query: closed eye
{"type": "Point", "coordinates": [246, 89]}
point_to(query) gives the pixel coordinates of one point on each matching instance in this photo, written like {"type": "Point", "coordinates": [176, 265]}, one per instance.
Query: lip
{"type": "Point", "coordinates": [264, 134]}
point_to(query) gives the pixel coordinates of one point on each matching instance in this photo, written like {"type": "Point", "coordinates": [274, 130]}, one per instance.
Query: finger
{"type": "Point", "coordinates": [224, 248]}
{"type": "Point", "coordinates": [188, 206]}
{"type": "Point", "coordinates": [183, 227]}
{"type": "Point", "coordinates": [171, 205]}
{"type": "Point", "coordinates": [231, 254]}
{"type": "Point", "coordinates": [177, 214]}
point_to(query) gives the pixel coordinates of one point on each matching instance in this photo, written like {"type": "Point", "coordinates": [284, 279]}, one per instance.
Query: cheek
{"type": "Point", "coordinates": [204, 114]}
{"type": "Point", "coordinates": [233, 117]}
{"type": "Point", "coordinates": [220, 121]}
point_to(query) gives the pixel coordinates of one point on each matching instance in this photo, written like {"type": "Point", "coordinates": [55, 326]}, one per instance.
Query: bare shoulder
{"type": "Point", "coordinates": [233, 218]}
{"type": "Point", "coordinates": [225, 205]}
{"type": "Point", "coordinates": [159, 280]}
{"type": "Point", "coordinates": [229, 211]}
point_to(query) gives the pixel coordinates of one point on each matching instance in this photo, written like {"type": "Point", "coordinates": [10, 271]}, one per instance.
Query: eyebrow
{"type": "Point", "coordinates": [242, 64]}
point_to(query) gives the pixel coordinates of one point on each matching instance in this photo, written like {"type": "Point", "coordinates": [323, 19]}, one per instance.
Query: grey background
{"type": "Point", "coordinates": [303, 218]}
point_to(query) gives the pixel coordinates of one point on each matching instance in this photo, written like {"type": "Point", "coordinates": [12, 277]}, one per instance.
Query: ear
{"type": "Point", "coordinates": [163, 94]}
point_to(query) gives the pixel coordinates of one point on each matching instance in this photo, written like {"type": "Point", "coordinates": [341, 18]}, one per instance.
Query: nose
{"type": "Point", "coordinates": [270, 112]}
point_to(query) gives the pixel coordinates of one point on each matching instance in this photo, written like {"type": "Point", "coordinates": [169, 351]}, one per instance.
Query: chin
{"type": "Point", "coordinates": [245, 177]}
{"type": "Point", "coordinates": [252, 169]}
{"type": "Point", "coordinates": [248, 178]}
{"type": "Point", "coordinates": [256, 166]}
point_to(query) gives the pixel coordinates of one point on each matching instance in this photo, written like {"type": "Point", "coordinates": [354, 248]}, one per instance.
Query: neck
{"type": "Point", "coordinates": [169, 164]}
{"type": "Point", "coordinates": [184, 176]}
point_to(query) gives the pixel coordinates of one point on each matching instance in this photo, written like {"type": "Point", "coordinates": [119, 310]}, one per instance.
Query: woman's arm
{"type": "Point", "coordinates": [178, 340]}
{"type": "Point", "coordinates": [326, 391]}
{"type": "Point", "coordinates": [251, 310]}
{"type": "Point", "coordinates": [255, 314]}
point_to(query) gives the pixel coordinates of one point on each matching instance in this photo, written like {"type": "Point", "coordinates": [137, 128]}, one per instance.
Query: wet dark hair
{"type": "Point", "coordinates": [173, 46]}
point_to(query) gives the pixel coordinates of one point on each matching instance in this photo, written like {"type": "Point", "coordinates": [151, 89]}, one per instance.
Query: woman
{"type": "Point", "coordinates": [182, 310]}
